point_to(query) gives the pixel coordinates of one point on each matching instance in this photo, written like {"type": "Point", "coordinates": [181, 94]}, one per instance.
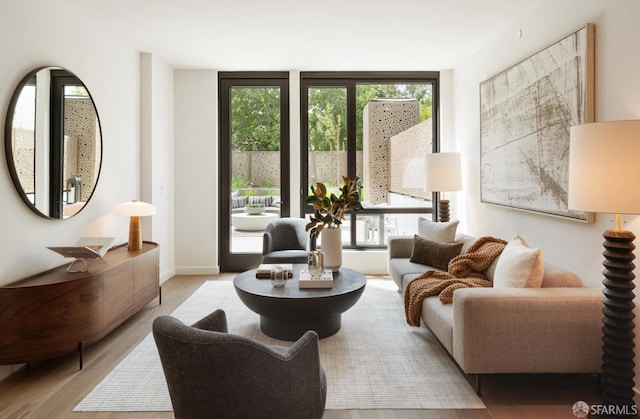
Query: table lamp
{"type": "Point", "coordinates": [442, 174]}
{"type": "Point", "coordinates": [135, 209]}
{"type": "Point", "coordinates": [603, 177]}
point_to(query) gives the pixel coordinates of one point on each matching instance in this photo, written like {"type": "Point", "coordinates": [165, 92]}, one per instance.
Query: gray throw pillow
{"type": "Point", "coordinates": [433, 253]}
{"type": "Point", "coordinates": [436, 231]}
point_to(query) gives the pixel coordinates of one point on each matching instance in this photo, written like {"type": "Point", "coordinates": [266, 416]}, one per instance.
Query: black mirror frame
{"type": "Point", "coordinates": [8, 142]}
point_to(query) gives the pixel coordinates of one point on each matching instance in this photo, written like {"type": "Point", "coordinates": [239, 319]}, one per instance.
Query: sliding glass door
{"type": "Point", "coordinates": [254, 155]}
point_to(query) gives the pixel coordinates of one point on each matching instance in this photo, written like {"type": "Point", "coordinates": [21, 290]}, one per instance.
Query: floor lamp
{"type": "Point", "coordinates": [604, 171]}
{"type": "Point", "coordinates": [442, 174]}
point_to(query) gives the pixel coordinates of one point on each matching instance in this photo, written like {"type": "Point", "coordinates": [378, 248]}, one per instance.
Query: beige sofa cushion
{"type": "Point", "coordinates": [555, 276]}
{"type": "Point", "coordinates": [438, 318]}
{"type": "Point", "coordinates": [436, 231]}
{"type": "Point", "coordinates": [519, 266]}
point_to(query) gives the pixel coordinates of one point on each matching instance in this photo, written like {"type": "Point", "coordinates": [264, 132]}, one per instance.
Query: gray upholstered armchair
{"type": "Point", "coordinates": [213, 374]}
{"type": "Point", "coordinates": [285, 240]}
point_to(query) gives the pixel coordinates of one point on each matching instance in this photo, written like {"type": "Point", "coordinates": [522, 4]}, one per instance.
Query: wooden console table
{"type": "Point", "coordinates": [56, 312]}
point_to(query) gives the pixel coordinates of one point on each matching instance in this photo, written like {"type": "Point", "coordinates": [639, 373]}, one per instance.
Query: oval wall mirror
{"type": "Point", "coordinates": [53, 142]}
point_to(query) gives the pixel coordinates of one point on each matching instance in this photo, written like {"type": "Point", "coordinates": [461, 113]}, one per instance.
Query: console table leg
{"type": "Point", "coordinates": [81, 354]}
{"type": "Point", "coordinates": [159, 296]}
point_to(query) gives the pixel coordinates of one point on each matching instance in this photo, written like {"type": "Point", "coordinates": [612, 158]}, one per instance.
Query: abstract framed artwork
{"type": "Point", "coordinates": [526, 112]}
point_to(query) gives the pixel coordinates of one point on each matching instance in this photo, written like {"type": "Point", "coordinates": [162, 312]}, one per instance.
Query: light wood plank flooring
{"type": "Point", "coordinates": [51, 389]}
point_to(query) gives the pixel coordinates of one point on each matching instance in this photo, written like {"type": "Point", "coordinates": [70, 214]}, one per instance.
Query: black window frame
{"type": "Point", "coordinates": [230, 262]}
{"type": "Point", "coordinates": [350, 80]}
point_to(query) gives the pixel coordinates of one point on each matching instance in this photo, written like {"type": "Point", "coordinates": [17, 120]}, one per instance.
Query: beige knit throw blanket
{"type": "Point", "coordinates": [464, 271]}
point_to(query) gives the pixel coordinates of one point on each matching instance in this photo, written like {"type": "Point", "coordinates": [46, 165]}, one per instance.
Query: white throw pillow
{"type": "Point", "coordinates": [519, 266]}
{"type": "Point", "coordinates": [436, 231]}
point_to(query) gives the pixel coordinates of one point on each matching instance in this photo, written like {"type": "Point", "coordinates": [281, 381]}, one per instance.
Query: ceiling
{"type": "Point", "coordinates": [306, 35]}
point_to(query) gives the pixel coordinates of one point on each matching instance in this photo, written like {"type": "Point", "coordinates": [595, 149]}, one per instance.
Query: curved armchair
{"type": "Point", "coordinates": [285, 240]}
{"type": "Point", "coordinates": [213, 374]}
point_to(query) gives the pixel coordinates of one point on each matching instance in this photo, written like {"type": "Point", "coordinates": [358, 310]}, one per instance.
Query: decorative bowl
{"type": "Point", "coordinates": [254, 210]}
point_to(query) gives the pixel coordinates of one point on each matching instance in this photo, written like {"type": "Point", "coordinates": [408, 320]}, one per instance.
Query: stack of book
{"type": "Point", "coordinates": [264, 270]}
{"type": "Point", "coordinates": [324, 281]}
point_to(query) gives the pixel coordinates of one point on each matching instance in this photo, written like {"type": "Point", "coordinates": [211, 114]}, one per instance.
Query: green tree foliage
{"type": "Point", "coordinates": [255, 122]}
{"type": "Point", "coordinates": [255, 119]}
{"type": "Point", "coordinates": [328, 115]}
{"type": "Point", "coordinates": [327, 110]}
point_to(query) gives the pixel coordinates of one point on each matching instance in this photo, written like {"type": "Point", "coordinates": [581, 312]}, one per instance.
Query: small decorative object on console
{"type": "Point", "coordinates": [87, 249]}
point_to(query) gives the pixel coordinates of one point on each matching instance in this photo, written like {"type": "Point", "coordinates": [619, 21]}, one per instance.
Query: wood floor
{"type": "Point", "coordinates": [51, 389]}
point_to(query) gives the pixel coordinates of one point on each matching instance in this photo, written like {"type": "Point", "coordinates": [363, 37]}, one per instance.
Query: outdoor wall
{"type": "Point", "coordinates": [82, 143]}
{"type": "Point", "coordinates": [383, 118]}
{"type": "Point", "coordinates": [259, 168]}
{"type": "Point", "coordinates": [256, 168]}
{"type": "Point", "coordinates": [407, 151]}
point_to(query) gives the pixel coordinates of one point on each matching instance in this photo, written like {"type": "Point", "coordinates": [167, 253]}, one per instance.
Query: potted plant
{"type": "Point", "coordinates": [254, 209]}
{"type": "Point", "coordinates": [328, 216]}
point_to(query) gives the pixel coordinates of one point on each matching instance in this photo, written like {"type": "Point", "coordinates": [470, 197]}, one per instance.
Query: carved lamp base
{"type": "Point", "coordinates": [618, 325]}
{"type": "Point", "coordinates": [443, 210]}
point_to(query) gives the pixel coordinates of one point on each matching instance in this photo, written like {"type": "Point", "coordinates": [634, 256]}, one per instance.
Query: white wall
{"type": "Point", "coordinates": [196, 172]}
{"type": "Point", "coordinates": [31, 35]}
{"type": "Point", "coordinates": [571, 244]}
{"type": "Point", "coordinates": [156, 157]}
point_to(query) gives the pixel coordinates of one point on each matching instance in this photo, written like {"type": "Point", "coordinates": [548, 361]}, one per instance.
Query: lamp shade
{"type": "Point", "coordinates": [135, 208]}
{"type": "Point", "coordinates": [442, 172]}
{"type": "Point", "coordinates": [604, 167]}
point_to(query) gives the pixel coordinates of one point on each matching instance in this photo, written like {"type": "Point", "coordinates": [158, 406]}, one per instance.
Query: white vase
{"type": "Point", "coordinates": [331, 245]}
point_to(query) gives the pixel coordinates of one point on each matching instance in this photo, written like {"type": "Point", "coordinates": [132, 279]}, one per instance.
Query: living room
{"type": "Point", "coordinates": [158, 123]}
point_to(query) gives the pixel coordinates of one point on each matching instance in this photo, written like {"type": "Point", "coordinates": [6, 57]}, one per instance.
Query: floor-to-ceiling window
{"type": "Point", "coordinates": [254, 169]}
{"type": "Point", "coordinates": [378, 127]}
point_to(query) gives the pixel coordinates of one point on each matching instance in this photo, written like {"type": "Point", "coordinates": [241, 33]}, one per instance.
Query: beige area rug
{"type": "Point", "coordinates": [376, 361]}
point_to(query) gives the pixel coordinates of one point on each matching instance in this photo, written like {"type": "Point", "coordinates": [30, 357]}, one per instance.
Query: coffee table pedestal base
{"type": "Point", "coordinates": [292, 330]}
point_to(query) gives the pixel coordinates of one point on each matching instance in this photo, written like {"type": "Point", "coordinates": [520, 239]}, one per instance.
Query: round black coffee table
{"type": "Point", "coordinates": [287, 313]}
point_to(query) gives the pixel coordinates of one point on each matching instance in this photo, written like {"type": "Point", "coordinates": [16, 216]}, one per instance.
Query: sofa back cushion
{"type": "Point", "coordinates": [239, 201]}
{"type": "Point", "coordinates": [466, 241]}
{"type": "Point", "coordinates": [437, 231]}
{"type": "Point", "coordinates": [555, 276]}
{"type": "Point", "coordinates": [261, 200]}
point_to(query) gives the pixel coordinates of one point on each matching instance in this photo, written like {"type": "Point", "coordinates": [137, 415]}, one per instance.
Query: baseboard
{"type": "Point", "coordinates": [167, 275]}
{"type": "Point", "coordinates": [7, 370]}
{"type": "Point", "coordinates": [205, 270]}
